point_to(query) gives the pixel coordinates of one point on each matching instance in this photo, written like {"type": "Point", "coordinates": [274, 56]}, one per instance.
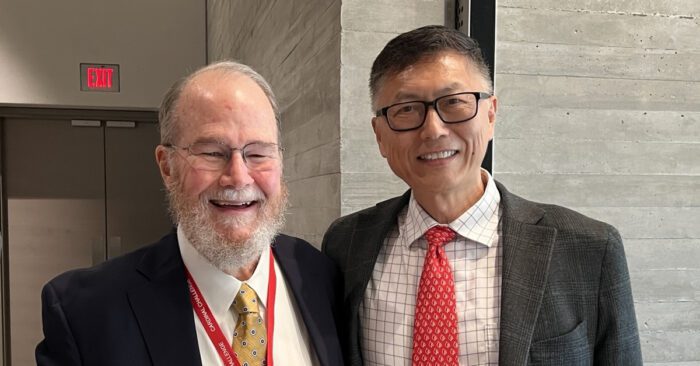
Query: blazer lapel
{"type": "Point", "coordinates": [314, 309]}
{"type": "Point", "coordinates": [527, 251]}
{"type": "Point", "coordinates": [162, 307]}
{"type": "Point", "coordinates": [365, 244]}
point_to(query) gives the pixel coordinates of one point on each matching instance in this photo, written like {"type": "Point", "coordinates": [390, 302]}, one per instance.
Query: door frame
{"type": "Point", "coordinates": [25, 112]}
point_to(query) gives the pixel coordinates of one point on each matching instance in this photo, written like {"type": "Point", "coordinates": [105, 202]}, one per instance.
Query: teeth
{"type": "Point", "coordinates": [438, 155]}
{"type": "Point", "coordinates": [233, 204]}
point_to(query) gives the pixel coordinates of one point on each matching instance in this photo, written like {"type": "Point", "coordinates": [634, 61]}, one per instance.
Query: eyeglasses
{"type": "Point", "coordinates": [214, 156]}
{"type": "Point", "coordinates": [451, 108]}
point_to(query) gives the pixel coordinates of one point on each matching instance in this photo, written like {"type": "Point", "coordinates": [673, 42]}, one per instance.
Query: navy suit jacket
{"type": "Point", "coordinates": [565, 293]}
{"type": "Point", "coordinates": [135, 310]}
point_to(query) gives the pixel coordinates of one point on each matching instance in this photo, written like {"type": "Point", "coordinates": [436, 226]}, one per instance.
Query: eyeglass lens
{"type": "Point", "coordinates": [215, 156]}
{"type": "Point", "coordinates": [450, 108]}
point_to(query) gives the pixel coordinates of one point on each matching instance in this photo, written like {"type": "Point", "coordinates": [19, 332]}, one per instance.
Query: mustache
{"type": "Point", "coordinates": [249, 193]}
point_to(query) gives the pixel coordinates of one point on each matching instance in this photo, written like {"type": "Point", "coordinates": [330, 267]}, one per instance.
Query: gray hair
{"type": "Point", "coordinates": [167, 114]}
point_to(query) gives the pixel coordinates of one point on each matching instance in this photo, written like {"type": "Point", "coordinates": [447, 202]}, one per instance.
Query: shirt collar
{"type": "Point", "coordinates": [217, 287]}
{"type": "Point", "coordinates": [478, 223]}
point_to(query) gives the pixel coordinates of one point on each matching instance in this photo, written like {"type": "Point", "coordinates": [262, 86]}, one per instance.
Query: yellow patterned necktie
{"type": "Point", "coordinates": [250, 336]}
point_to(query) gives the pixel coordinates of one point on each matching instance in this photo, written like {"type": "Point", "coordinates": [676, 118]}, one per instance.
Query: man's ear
{"type": "Point", "coordinates": [163, 161]}
{"type": "Point", "coordinates": [378, 136]}
{"type": "Point", "coordinates": [493, 107]}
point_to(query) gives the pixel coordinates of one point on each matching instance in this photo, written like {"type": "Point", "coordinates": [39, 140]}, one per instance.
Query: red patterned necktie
{"type": "Point", "coordinates": [435, 339]}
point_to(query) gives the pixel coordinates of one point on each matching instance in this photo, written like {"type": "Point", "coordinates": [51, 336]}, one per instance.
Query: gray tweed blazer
{"type": "Point", "coordinates": [566, 297]}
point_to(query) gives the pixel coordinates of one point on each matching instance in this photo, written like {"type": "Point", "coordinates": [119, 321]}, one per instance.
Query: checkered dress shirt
{"type": "Point", "coordinates": [475, 255]}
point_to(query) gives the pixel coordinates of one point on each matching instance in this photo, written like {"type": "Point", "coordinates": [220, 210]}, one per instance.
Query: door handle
{"type": "Point", "coordinates": [85, 123]}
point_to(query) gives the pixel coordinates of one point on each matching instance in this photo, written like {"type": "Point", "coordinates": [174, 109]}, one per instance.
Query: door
{"type": "Point", "coordinates": [77, 193]}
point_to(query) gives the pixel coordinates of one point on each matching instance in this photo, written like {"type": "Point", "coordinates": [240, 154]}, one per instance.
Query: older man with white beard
{"type": "Point", "coordinates": [225, 288]}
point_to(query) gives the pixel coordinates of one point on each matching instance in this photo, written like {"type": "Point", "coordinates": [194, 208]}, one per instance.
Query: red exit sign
{"type": "Point", "coordinates": [99, 77]}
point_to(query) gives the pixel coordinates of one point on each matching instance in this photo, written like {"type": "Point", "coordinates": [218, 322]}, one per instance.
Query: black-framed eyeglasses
{"type": "Point", "coordinates": [451, 108]}
{"type": "Point", "coordinates": [214, 156]}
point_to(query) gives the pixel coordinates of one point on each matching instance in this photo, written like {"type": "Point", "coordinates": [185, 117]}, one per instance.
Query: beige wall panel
{"type": "Point", "coordinates": [686, 8]}
{"type": "Point", "coordinates": [650, 222]}
{"type": "Point", "coordinates": [596, 61]}
{"type": "Point", "coordinates": [670, 347]}
{"type": "Point", "coordinates": [600, 111]}
{"type": "Point", "coordinates": [597, 29]}
{"type": "Point", "coordinates": [295, 45]}
{"type": "Point", "coordinates": [660, 316]}
{"type": "Point", "coordinates": [573, 156]}
{"type": "Point", "coordinates": [538, 123]}
{"type": "Point", "coordinates": [602, 190]}
{"type": "Point", "coordinates": [597, 93]}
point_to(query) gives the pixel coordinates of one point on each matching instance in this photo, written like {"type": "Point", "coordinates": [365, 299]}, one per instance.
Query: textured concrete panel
{"type": "Point", "coordinates": [362, 190]}
{"type": "Point", "coordinates": [595, 61]}
{"type": "Point", "coordinates": [322, 160]}
{"type": "Point", "coordinates": [671, 346]}
{"type": "Point", "coordinates": [302, 223]}
{"type": "Point", "coordinates": [313, 206]}
{"type": "Point", "coordinates": [597, 157]}
{"type": "Point", "coordinates": [666, 285]}
{"type": "Point", "coordinates": [599, 105]}
{"type": "Point", "coordinates": [296, 45]}
{"type": "Point", "coordinates": [591, 190]}
{"type": "Point", "coordinates": [687, 8]}
{"type": "Point", "coordinates": [660, 316]}
{"type": "Point", "coordinates": [360, 48]}
{"type": "Point", "coordinates": [680, 254]}
{"type": "Point", "coordinates": [597, 93]}
{"type": "Point", "coordinates": [532, 122]}
{"type": "Point", "coordinates": [302, 134]}
{"type": "Point", "coordinates": [597, 29]}
{"type": "Point", "coordinates": [367, 26]}
{"type": "Point", "coordinates": [650, 222]}
{"type": "Point", "coordinates": [392, 16]}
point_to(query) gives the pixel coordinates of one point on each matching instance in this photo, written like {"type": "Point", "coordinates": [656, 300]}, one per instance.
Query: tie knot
{"type": "Point", "coordinates": [246, 300]}
{"type": "Point", "coordinates": [439, 235]}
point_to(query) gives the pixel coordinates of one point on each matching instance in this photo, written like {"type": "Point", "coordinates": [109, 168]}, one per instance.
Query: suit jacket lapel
{"type": "Point", "coordinates": [365, 244]}
{"type": "Point", "coordinates": [527, 251]}
{"type": "Point", "coordinates": [318, 317]}
{"type": "Point", "coordinates": [163, 309]}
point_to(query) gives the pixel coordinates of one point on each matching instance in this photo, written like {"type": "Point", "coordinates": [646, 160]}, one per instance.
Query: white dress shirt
{"type": "Point", "coordinates": [475, 255]}
{"type": "Point", "coordinates": [291, 342]}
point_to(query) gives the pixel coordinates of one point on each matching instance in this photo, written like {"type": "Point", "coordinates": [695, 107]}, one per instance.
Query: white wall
{"type": "Point", "coordinates": [42, 44]}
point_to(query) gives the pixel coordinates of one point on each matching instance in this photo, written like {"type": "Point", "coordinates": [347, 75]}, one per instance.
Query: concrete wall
{"type": "Point", "coordinates": [367, 25]}
{"type": "Point", "coordinates": [295, 45]}
{"type": "Point", "coordinates": [317, 56]}
{"type": "Point", "coordinates": [42, 44]}
{"type": "Point", "coordinates": [600, 111]}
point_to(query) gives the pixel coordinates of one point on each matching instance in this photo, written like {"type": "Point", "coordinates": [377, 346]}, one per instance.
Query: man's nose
{"type": "Point", "coordinates": [236, 173]}
{"type": "Point", "coordinates": [433, 127]}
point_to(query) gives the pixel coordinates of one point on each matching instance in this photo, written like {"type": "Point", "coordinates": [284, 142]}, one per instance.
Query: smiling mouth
{"type": "Point", "coordinates": [438, 155]}
{"type": "Point", "coordinates": [232, 204]}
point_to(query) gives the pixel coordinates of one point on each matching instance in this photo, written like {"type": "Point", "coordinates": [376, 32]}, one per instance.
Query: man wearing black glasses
{"type": "Point", "coordinates": [224, 288]}
{"type": "Point", "coordinates": [459, 271]}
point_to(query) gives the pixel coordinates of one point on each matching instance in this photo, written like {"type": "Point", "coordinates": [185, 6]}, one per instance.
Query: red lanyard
{"type": "Point", "coordinates": [223, 347]}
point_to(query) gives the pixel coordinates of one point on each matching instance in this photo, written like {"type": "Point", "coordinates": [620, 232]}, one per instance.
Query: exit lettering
{"type": "Point", "coordinates": [99, 78]}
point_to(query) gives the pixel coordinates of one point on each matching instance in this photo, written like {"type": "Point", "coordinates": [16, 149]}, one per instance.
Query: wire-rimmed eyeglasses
{"type": "Point", "coordinates": [214, 156]}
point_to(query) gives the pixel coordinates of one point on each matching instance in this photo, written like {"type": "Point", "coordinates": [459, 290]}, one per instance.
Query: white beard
{"type": "Point", "coordinates": [226, 253]}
